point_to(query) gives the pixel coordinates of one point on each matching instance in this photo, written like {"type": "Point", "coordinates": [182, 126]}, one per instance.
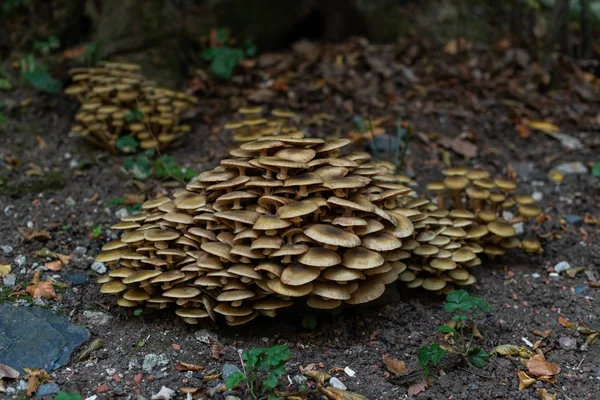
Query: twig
{"type": "Point", "coordinates": [404, 148]}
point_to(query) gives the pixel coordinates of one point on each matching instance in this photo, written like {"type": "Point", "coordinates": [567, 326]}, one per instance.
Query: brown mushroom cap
{"type": "Point", "coordinates": [367, 291]}
{"type": "Point", "coordinates": [501, 228]}
{"type": "Point", "coordinates": [320, 257]}
{"type": "Point", "coordinates": [361, 258]}
{"type": "Point", "coordinates": [297, 274]}
{"type": "Point", "coordinates": [330, 235]}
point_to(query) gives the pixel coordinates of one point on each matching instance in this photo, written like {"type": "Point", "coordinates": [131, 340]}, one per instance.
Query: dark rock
{"type": "Point", "coordinates": [21, 331]}
{"type": "Point", "coordinates": [574, 220]}
{"type": "Point", "coordinates": [76, 279]}
{"type": "Point", "coordinates": [47, 389]}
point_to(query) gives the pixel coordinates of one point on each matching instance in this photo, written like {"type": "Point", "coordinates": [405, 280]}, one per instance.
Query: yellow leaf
{"type": "Point", "coordinates": [54, 265]}
{"type": "Point", "coordinates": [42, 289]}
{"type": "Point", "coordinates": [524, 380]}
{"type": "Point", "coordinates": [317, 376]}
{"type": "Point", "coordinates": [4, 270]}
{"type": "Point", "coordinates": [64, 259]}
{"type": "Point", "coordinates": [544, 395]}
{"type": "Point", "coordinates": [543, 126]}
{"type": "Point", "coordinates": [398, 367]}
{"type": "Point", "coordinates": [555, 176]}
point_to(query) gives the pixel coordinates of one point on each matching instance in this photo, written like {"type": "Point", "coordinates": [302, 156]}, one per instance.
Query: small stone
{"type": "Point", "coordinates": [30, 224]}
{"type": "Point", "coordinates": [164, 394]}
{"type": "Point", "coordinates": [299, 379]}
{"type": "Point", "coordinates": [110, 371]}
{"type": "Point", "coordinates": [97, 318]}
{"type": "Point", "coordinates": [508, 215]}
{"type": "Point", "coordinates": [8, 211]}
{"type": "Point", "coordinates": [561, 267]}
{"type": "Point", "coordinates": [336, 383]}
{"type": "Point", "coordinates": [229, 369]}
{"type": "Point", "coordinates": [94, 397]}
{"type": "Point", "coordinates": [349, 372]}
{"type": "Point", "coordinates": [230, 397]}
{"type": "Point", "coordinates": [571, 168]}
{"type": "Point", "coordinates": [203, 335]}
{"type": "Point", "coordinates": [69, 201]}
{"type": "Point", "coordinates": [76, 279]}
{"type": "Point", "coordinates": [581, 289]}
{"type": "Point", "coordinates": [80, 251]}
{"type": "Point", "coordinates": [519, 228]}
{"type": "Point", "coordinates": [535, 275]}
{"type": "Point", "coordinates": [574, 220]}
{"type": "Point", "coordinates": [265, 339]}
{"type": "Point", "coordinates": [153, 362]}
{"type": "Point", "coordinates": [567, 343]}
{"type": "Point", "coordinates": [6, 249]}
{"type": "Point", "coordinates": [537, 196]}
{"type": "Point", "coordinates": [39, 302]}
{"type": "Point", "coordinates": [9, 280]}
{"type": "Point", "coordinates": [99, 268]}
{"type": "Point", "coordinates": [20, 260]}
{"type": "Point", "coordinates": [22, 385]}
{"type": "Point", "coordinates": [47, 389]}
{"type": "Point", "coordinates": [121, 213]}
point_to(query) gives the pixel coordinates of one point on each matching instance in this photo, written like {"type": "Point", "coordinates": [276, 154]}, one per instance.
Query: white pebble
{"type": "Point", "coordinates": [99, 268]}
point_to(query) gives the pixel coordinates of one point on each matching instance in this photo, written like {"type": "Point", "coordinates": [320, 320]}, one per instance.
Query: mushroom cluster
{"type": "Point", "coordinates": [251, 123]}
{"type": "Point", "coordinates": [117, 100]}
{"type": "Point", "coordinates": [286, 219]}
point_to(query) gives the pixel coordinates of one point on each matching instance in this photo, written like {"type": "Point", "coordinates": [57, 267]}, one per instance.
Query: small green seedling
{"type": "Point", "coordinates": [96, 232]}
{"type": "Point", "coordinates": [67, 396]}
{"type": "Point", "coordinates": [263, 369]}
{"type": "Point", "coordinates": [464, 308]}
{"type": "Point", "coordinates": [223, 59]}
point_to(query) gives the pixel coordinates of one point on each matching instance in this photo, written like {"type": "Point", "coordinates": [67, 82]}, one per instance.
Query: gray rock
{"type": "Point", "coordinates": [6, 249]}
{"type": "Point", "coordinates": [230, 397]}
{"type": "Point", "coordinates": [69, 202]}
{"type": "Point", "coordinates": [567, 343]}
{"type": "Point", "coordinates": [76, 279]}
{"type": "Point", "coordinates": [8, 211]}
{"type": "Point", "coordinates": [121, 212]}
{"type": "Point", "coordinates": [524, 170]}
{"type": "Point", "coordinates": [39, 302]}
{"type": "Point", "coordinates": [202, 335]}
{"type": "Point", "coordinates": [519, 228]}
{"type": "Point", "coordinates": [20, 333]}
{"type": "Point", "coordinates": [299, 379]}
{"type": "Point", "coordinates": [229, 369]}
{"type": "Point", "coordinates": [99, 268]}
{"type": "Point", "coordinates": [80, 251]}
{"type": "Point", "coordinates": [537, 196]}
{"type": "Point", "coordinates": [574, 220]}
{"type": "Point", "coordinates": [571, 168]}
{"type": "Point", "coordinates": [9, 280]}
{"type": "Point", "coordinates": [535, 275]}
{"type": "Point", "coordinates": [97, 317]}
{"type": "Point", "coordinates": [20, 260]}
{"type": "Point", "coordinates": [22, 385]}
{"type": "Point", "coordinates": [336, 383]}
{"type": "Point", "coordinates": [561, 267]}
{"type": "Point", "coordinates": [47, 389]}
{"type": "Point", "coordinates": [153, 362]}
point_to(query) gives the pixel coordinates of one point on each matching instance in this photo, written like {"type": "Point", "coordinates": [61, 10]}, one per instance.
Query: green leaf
{"type": "Point", "coordinates": [222, 35]}
{"type": "Point", "coordinates": [478, 357]}
{"type": "Point", "coordinates": [67, 396]}
{"type": "Point", "coordinates": [446, 329]}
{"type": "Point", "coordinates": [436, 353]}
{"type": "Point", "coordinates": [234, 379]}
{"type": "Point", "coordinates": [97, 231]}
{"type": "Point", "coordinates": [5, 84]}
{"type": "Point", "coordinates": [270, 382]}
{"type": "Point", "coordinates": [134, 115]}
{"type": "Point", "coordinates": [42, 81]}
{"type": "Point", "coordinates": [596, 169]}
{"type": "Point", "coordinates": [137, 312]}
{"type": "Point", "coordinates": [309, 321]}
{"type": "Point", "coordinates": [481, 304]}
{"type": "Point", "coordinates": [273, 396]}
{"type": "Point", "coordinates": [116, 202]}
{"type": "Point", "coordinates": [127, 144]}
{"type": "Point", "coordinates": [423, 356]}
{"type": "Point", "coordinates": [138, 167]}
{"type": "Point", "coordinates": [458, 300]}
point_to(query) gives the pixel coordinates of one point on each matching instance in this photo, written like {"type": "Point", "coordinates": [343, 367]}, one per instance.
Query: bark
{"type": "Point", "coordinates": [557, 30]}
{"type": "Point", "coordinates": [586, 30]}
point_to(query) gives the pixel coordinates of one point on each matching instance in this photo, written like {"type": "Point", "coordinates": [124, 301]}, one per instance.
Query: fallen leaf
{"type": "Point", "coordinates": [523, 131]}
{"type": "Point", "coordinates": [543, 334]}
{"type": "Point", "coordinates": [64, 259]}
{"type": "Point", "coordinates": [102, 388]}
{"type": "Point", "coordinates": [338, 394]}
{"type": "Point", "coordinates": [7, 372]}
{"type": "Point", "coordinates": [4, 270]}
{"type": "Point", "coordinates": [417, 387]}
{"type": "Point", "coordinates": [512, 350]}
{"type": "Point", "coordinates": [524, 380]}
{"type": "Point", "coordinates": [190, 390]}
{"type": "Point", "coordinates": [133, 198]}
{"type": "Point", "coordinates": [543, 126]}
{"type": "Point", "coordinates": [54, 265]}
{"type": "Point", "coordinates": [42, 290]}
{"type": "Point", "coordinates": [30, 234]}
{"type": "Point", "coordinates": [556, 176]}
{"type": "Point", "coordinates": [208, 378]}
{"type": "Point", "coordinates": [591, 220]}
{"type": "Point", "coordinates": [398, 367]}
{"type": "Point", "coordinates": [41, 142]}
{"type": "Point", "coordinates": [34, 377]}
{"type": "Point", "coordinates": [164, 394]}
{"type": "Point", "coordinates": [576, 326]}
{"type": "Point", "coordinates": [544, 395]}
{"type": "Point", "coordinates": [215, 348]}
{"type": "Point", "coordinates": [317, 376]}
{"type": "Point", "coordinates": [459, 146]}
{"type": "Point", "coordinates": [454, 45]}
{"type": "Point", "coordinates": [93, 199]}
{"type": "Point", "coordinates": [572, 272]}
{"type": "Point", "coordinates": [539, 366]}
{"type": "Point", "coordinates": [188, 367]}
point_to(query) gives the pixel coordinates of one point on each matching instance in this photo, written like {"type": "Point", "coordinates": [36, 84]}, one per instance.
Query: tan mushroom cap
{"type": "Point", "coordinates": [433, 284]}
{"type": "Point", "coordinates": [141, 275]}
{"type": "Point", "coordinates": [136, 294]}
{"type": "Point", "coordinates": [322, 304]}
{"type": "Point", "coordinates": [380, 241]}
{"type": "Point", "coordinates": [236, 295]}
{"type": "Point", "coordinates": [227, 310]}
{"type": "Point", "coordinates": [342, 274]}
{"type": "Point", "coordinates": [505, 184]}
{"type": "Point", "coordinates": [501, 228]}
{"type": "Point", "coordinates": [113, 287]}
{"type": "Point", "coordinates": [456, 182]}
{"type": "Point", "coordinates": [463, 255]}
{"type": "Point", "coordinates": [367, 291]}
{"type": "Point", "coordinates": [528, 211]}
{"type": "Point", "coordinates": [288, 290]}
{"type": "Point", "coordinates": [443, 264]}
{"type": "Point", "coordinates": [330, 235]}
{"type": "Point", "coordinates": [331, 290]}
{"type": "Point", "coordinates": [191, 313]}
{"type": "Point", "coordinates": [123, 302]}
{"type": "Point", "coordinates": [270, 222]}
{"type": "Point", "coordinates": [297, 209]}
{"type": "Point", "coordinates": [361, 258]}
{"type": "Point", "coordinates": [297, 274]}
{"type": "Point", "coordinates": [531, 245]}
{"type": "Point", "coordinates": [320, 257]}
{"type": "Point", "coordinates": [107, 256]}
{"type": "Point", "coordinates": [182, 292]}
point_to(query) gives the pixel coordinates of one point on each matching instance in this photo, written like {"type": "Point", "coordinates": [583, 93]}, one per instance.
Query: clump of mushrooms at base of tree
{"type": "Point", "coordinates": [252, 123]}
{"type": "Point", "coordinates": [117, 100]}
{"type": "Point", "coordinates": [287, 219]}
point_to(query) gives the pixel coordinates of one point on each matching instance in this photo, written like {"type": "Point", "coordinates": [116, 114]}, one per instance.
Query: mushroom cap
{"type": "Point", "coordinates": [331, 290]}
{"type": "Point", "coordinates": [236, 295]}
{"type": "Point", "coordinates": [136, 294]}
{"type": "Point", "coordinates": [501, 228]}
{"type": "Point", "coordinates": [297, 274]}
{"type": "Point", "coordinates": [270, 222]}
{"type": "Point", "coordinates": [320, 257]}
{"type": "Point", "coordinates": [330, 235]}
{"type": "Point", "coordinates": [531, 245]}
{"type": "Point", "coordinates": [271, 303]}
{"type": "Point", "coordinates": [342, 274]}
{"type": "Point", "coordinates": [504, 184]}
{"type": "Point", "coordinates": [112, 287]}
{"type": "Point", "coordinates": [380, 241]}
{"type": "Point", "coordinates": [140, 276]}
{"type": "Point", "coordinates": [463, 255]}
{"type": "Point", "coordinates": [456, 182]}
{"type": "Point", "coordinates": [228, 310]}
{"type": "Point", "coordinates": [297, 209]}
{"type": "Point", "coordinates": [322, 304]}
{"type": "Point", "coordinates": [361, 258]}
{"type": "Point", "coordinates": [433, 283]}
{"type": "Point", "coordinates": [182, 292]}
{"type": "Point", "coordinates": [443, 264]}
{"type": "Point", "coordinates": [529, 211]}
{"type": "Point", "coordinates": [295, 155]}
{"type": "Point", "coordinates": [367, 291]}
{"type": "Point", "coordinates": [288, 290]}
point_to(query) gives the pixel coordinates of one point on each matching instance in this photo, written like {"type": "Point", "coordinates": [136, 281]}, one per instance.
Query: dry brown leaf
{"type": "Point", "coordinates": [543, 334]}
{"type": "Point", "coordinates": [454, 45]}
{"type": "Point", "coordinates": [4, 270]}
{"type": "Point", "coordinates": [543, 126]}
{"type": "Point", "coordinates": [576, 326]}
{"type": "Point", "coordinates": [134, 198]}
{"type": "Point", "coordinates": [417, 387]}
{"type": "Point", "coordinates": [539, 366]}
{"type": "Point", "coordinates": [34, 377]}
{"type": "Point", "coordinates": [181, 366]}
{"type": "Point", "coordinates": [54, 265]}
{"type": "Point", "coordinates": [208, 378]}
{"type": "Point", "coordinates": [544, 395]}
{"type": "Point", "coordinates": [398, 367]}
{"type": "Point", "coordinates": [8, 372]}
{"type": "Point", "coordinates": [338, 394]}
{"type": "Point", "coordinates": [42, 290]}
{"type": "Point", "coordinates": [64, 259]}
{"type": "Point", "coordinates": [36, 277]}
{"type": "Point", "coordinates": [317, 376]}
{"type": "Point", "coordinates": [30, 234]}
{"type": "Point", "coordinates": [215, 348]}
{"type": "Point", "coordinates": [591, 220]}
{"type": "Point", "coordinates": [41, 142]}
{"type": "Point", "coordinates": [459, 146]}
{"type": "Point", "coordinates": [523, 131]}
{"type": "Point", "coordinates": [524, 380]}
{"type": "Point", "coordinates": [186, 390]}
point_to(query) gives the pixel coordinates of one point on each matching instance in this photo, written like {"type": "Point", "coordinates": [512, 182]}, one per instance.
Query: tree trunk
{"type": "Point", "coordinates": [557, 27]}
{"type": "Point", "coordinates": [586, 30]}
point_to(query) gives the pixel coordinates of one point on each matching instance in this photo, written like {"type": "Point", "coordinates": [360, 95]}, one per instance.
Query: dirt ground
{"type": "Point", "coordinates": [524, 292]}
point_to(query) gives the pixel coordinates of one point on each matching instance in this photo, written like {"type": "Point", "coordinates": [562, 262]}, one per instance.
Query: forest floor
{"type": "Point", "coordinates": [474, 110]}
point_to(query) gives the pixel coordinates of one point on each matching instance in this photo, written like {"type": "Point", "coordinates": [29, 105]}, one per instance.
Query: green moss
{"type": "Point", "coordinates": [53, 180]}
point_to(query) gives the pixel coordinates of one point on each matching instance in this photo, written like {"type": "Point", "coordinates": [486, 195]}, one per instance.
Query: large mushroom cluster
{"type": "Point", "coordinates": [117, 100]}
{"type": "Point", "coordinates": [251, 123]}
{"type": "Point", "coordinates": [286, 219]}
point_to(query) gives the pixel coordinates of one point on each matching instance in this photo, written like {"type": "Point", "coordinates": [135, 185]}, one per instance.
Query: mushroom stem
{"type": "Point", "coordinates": [457, 200]}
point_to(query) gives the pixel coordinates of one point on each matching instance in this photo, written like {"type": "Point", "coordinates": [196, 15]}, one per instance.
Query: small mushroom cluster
{"type": "Point", "coordinates": [490, 205]}
{"type": "Point", "coordinates": [286, 219]}
{"type": "Point", "coordinates": [117, 100]}
{"type": "Point", "coordinates": [251, 123]}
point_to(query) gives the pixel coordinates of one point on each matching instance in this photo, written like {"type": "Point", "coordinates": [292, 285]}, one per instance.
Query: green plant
{"type": "Point", "coordinates": [97, 231]}
{"type": "Point", "coordinates": [36, 73]}
{"type": "Point", "coordinates": [9, 5]}
{"type": "Point", "coordinates": [596, 169]}
{"type": "Point", "coordinates": [46, 46]}
{"type": "Point", "coordinates": [223, 59]}
{"type": "Point", "coordinates": [463, 308]}
{"type": "Point", "coordinates": [67, 396]}
{"type": "Point", "coordinates": [141, 167]}
{"type": "Point", "coordinates": [309, 322]}
{"type": "Point", "coordinates": [90, 56]}
{"type": "Point", "coordinates": [263, 369]}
